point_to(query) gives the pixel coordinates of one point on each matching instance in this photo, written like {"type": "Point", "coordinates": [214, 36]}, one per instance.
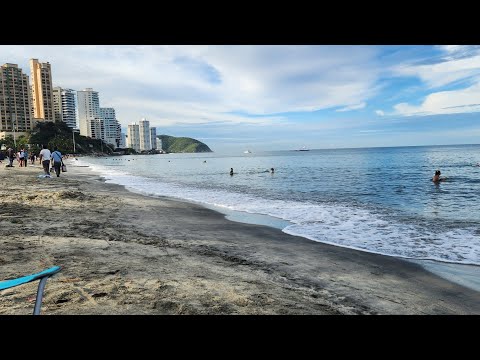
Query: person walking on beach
{"type": "Point", "coordinates": [57, 160]}
{"type": "Point", "coordinates": [21, 156]}
{"type": "Point", "coordinates": [25, 157]}
{"type": "Point", "coordinates": [45, 156]}
{"type": "Point", "coordinates": [11, 155]}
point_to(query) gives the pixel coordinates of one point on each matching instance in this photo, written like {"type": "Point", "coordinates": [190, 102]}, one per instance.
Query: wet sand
{"type": "Point", "coordinates": [125, 253]}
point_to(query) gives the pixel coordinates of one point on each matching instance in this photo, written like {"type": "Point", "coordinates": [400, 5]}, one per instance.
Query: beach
{"type": "Point", "coordinates": [126, 253]}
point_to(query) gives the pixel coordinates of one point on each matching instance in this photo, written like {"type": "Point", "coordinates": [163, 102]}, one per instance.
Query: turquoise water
{"type": "Point", "coordinates": [380, 200]}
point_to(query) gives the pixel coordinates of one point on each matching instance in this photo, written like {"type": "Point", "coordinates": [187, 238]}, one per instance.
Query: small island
{"type": "Point", "coordinates": [172, 144]}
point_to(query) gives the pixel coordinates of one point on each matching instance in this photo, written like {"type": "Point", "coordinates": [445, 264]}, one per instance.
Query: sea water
{"type": "Point", "coordinates": [380, 200]}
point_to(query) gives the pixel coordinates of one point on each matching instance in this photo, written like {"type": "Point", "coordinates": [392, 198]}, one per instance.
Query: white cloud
{"type": "Point", "coordinates": [353, 107]}
{"type": "Point", "coordinates": [460, 65]}
{"type": "Point", "coordinates": [210, 83]}
{"type": "Point", "coordinates": [379, 112]}
{"type": "Point", "coordinates": [445, 102]}
{"type": "Point", "coordinates": [448, 70]}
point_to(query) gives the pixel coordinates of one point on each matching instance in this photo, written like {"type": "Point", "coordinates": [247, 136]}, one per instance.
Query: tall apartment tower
{"type": "Point", "coordinates": [88, 110]}
{"type": "Point", "coordinates": [153, 138]}
{"type": "Point", "coordinates": [123, 140]}
{"type": "Point", "coordinates": [15, 116]}
{"type": "Point", "coordinates": [64, 106]}
{"type": "Point", "coordinates": [144, 125]}
{"type": "Point", "coordinates": [57, 104]}
{"type": "Point", "coordinates": [133, 136]}
{"type": "Point", "coordinates": [42, 90]}
{"type": "Point", "coordinates": [112, 126]}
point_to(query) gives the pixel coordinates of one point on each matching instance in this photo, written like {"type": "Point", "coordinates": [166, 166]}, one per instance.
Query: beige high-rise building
{"type": "Point", "coordinates": [144, 128]}
{"type": "Point", "coordinates": [42, 90]}
{"type": "Point", "coordinates": [15, 117]}
{"type": "Point", "coordinates": [133, 136]}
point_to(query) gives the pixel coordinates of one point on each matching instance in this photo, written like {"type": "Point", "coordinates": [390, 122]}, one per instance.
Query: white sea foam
{"type": "Point", "coordinates": [335, 224]}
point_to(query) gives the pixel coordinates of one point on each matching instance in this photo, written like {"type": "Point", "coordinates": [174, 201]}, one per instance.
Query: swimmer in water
{"type": "Point", "coordinates": [272, 170]}
{"type": "Point", "coordinates": [231, 171]}
{"type": "Point", "coordinates": [436, 178]}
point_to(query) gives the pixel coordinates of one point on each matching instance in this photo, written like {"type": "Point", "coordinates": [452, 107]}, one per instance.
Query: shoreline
{"type": "Point", "coordinates": [127, 253]}
{"type": "Point", "coordinates": [467, 275]}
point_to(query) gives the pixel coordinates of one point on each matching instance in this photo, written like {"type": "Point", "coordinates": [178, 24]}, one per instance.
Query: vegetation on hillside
{"type": "Point", "coordinates": [60, 135]}
{"type": "Point", "coordinates": [173, 144]}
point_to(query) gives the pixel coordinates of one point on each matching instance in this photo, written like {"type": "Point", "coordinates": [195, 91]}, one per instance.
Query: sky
{"type": "Point", "coordinates": [275, 97]}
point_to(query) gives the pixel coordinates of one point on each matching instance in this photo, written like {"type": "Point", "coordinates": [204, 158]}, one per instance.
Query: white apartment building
{"type": "Point", "coordinates": [111, 126]}
{"type": "Point", "coordinates": [88, 109]}
{"type": "Point", "coordinates": [144, 128]}
{"type": "Point", "coordinates": [97, 122]}
{"type": "Point", "coordinates": [153, 138]}
{"type": "Point", "coordinates": [64, 106]}
{"type": "Point", "coordinates": [133, 136]}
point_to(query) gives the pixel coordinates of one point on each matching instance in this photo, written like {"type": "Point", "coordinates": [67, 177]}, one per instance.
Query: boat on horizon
{"type": "Point", "coordinates": [303, 148]}
{"type": "Point", "coordinates": [247, 152]}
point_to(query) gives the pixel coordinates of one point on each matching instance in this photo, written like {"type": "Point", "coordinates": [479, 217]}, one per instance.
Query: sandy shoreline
{"type": "Point", "coordinates": [125, 253]}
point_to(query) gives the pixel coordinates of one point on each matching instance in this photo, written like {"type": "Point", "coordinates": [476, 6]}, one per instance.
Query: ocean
{"type": "Point", "coordinates": [380, 200]}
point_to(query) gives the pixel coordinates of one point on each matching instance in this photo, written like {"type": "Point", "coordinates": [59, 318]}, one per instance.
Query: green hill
{"type": "Point", "coordinates": [173, 144]}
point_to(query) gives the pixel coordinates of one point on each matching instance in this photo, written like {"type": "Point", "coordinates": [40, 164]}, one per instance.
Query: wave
{"type": "Point", "coordinates": [332, 223]}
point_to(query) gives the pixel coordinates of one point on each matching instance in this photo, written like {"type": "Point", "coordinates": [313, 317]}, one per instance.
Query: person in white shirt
{"type": "Point", "coordinates": [45, 156]}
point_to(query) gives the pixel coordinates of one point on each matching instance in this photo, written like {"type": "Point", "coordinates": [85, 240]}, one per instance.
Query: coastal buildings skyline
{"type": "Point", "coordinates": [141, 137]}
{"type": "Point", "coordinates": [24, 102]}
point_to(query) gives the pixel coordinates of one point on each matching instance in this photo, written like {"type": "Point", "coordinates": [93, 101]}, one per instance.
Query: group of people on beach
{"type": "Point", "coordinates": [21, 156]}
{"type": "Point", "coordinates": [51, 161]}
{"type": "Point", "coordinates": [48, 158]}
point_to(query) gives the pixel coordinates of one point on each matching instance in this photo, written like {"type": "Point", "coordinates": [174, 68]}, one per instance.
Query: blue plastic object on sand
{"type": "Point", "coordinates": [42, 276]}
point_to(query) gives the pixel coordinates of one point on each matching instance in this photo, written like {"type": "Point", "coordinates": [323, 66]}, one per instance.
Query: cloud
{"type": "Point", "coordinates": [459, 68]}
{"type": "Point", "coordinates": [379, 112]}
{"type": "Point", "coordinates": [353, 107]}
{"type": "Point", "coordinates": [444, 102]}
{"type": "Point", "coordinates": [459, 63]}
{"type": "Point", "coordinates": [169, 84]}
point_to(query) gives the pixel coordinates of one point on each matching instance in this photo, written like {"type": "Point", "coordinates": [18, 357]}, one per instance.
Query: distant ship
{"type": "Point", "coordinates": [247, 152]}
{"type": "Point", "coordinates": [303, 149]}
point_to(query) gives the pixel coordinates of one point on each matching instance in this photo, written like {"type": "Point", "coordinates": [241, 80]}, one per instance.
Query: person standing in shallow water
{"type": "Point", "coordinates": [436, 178]}
{"type": "Point", "coordinates": [231, 171]}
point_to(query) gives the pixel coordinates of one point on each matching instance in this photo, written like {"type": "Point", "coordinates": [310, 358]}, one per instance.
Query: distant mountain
{"type": "Point", "coordinates": [173, 144]}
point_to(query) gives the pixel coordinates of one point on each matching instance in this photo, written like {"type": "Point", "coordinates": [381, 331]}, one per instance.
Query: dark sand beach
{"type": "Point", "coordinates": [125, 253]}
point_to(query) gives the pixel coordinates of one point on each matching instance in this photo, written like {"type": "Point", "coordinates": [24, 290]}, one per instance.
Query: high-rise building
{"type": "Point", "coordinates": [57, 104]}
{"type": "Point", "coordinates": [153, 138]}
{"type": "Point", "coordinates": [88, 110]}
{"type": "Point", "coordinates": [97, 122]}
{"type": "Point", "coordinates": [123, 140]}
{"type": "Point", "coordinates": [144, 128]}
{"type": "Point", "coordinates": [111, 125]}
{"type": "Point", "coordinates": [15, 106]}
{"type": "Point", "coordinates": [42, 90]}
{"type": "Point", "coordinates": [64, 106]}
{"type": "Point", "coordinates": [133, 136]}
